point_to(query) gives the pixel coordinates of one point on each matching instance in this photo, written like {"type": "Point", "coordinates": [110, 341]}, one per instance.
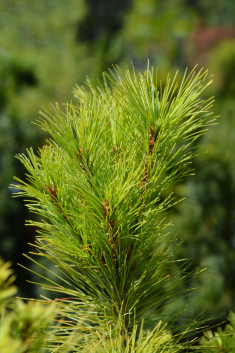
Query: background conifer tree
{"type": "Point", "coordinates": [102, 185]}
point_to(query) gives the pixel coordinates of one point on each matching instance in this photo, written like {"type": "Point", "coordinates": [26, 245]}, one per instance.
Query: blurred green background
{"type": "Point", "coordinates": [48, 46]}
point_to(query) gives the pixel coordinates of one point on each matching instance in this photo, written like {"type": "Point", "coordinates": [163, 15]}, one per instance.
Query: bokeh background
{"type": "Point", "coordinates": [48, 46]}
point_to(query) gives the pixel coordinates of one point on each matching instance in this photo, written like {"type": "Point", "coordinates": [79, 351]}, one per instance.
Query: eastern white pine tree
{"type": "Point", "coordinates": [101, 186]}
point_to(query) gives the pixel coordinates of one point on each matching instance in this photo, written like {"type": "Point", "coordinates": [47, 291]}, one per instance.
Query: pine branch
{"type": "Point", "coordinates": [102, 188]}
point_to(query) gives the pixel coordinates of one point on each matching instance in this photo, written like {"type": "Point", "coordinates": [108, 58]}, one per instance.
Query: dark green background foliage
{"type": "Point", "coordinates": [48, 46]}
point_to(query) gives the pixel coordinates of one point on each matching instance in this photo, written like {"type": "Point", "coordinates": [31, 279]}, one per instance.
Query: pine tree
{"type": "Point", "coordinates": [102, 186]}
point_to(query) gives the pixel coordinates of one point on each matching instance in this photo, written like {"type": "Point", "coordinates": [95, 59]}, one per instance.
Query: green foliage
{"type": "Point", "coordinates": [23, 327]}
{"type": "Point", "coordinates": [220, 340]}
{"type": "Point", "coordinates": [6, 280]}
{"type": "Point", "coordinates": [102, 187]}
